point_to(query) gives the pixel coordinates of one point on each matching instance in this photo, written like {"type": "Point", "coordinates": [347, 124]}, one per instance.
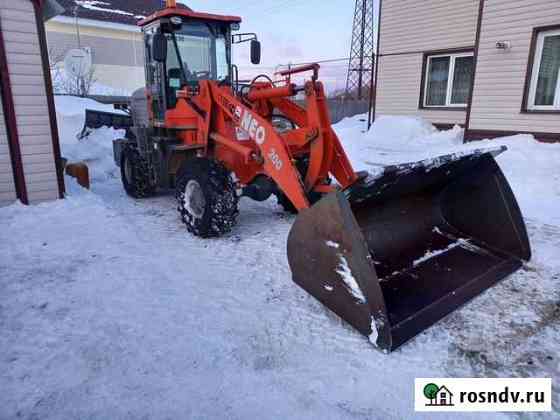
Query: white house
{"type": "Point", "coordinates": [108, 29]}
{"type": "Point", "coordinates": [491, 66]}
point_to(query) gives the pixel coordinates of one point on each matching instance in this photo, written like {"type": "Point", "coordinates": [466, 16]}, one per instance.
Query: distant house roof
{"type": "Point", "coordinates": [127, 12]}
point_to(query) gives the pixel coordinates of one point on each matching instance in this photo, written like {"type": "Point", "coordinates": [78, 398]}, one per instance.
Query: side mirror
{"type": "Point", "coordinates": [159, 48]}
{"type": "Point", "coordinates": [255, 52]}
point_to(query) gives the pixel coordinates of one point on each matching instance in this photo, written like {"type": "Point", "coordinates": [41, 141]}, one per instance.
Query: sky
{"type": "Point", "coordinates": [290, 31]}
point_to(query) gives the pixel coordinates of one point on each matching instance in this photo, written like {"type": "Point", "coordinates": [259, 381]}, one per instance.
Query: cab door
{"type": "Point", "coordinates": [155, 79]}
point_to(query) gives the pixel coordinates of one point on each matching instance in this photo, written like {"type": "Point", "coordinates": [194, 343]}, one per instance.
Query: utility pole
{"type": "Point", "coordinates": [358, 84]}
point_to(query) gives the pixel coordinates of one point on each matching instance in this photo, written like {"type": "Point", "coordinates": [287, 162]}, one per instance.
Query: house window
{"type": "Point", "coordinates": [544, 94]}
{"type": "Point", "coordinates": [448, 80]}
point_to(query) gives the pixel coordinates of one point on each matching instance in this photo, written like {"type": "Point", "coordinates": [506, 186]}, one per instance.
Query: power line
{"type": "Point", "coordinates": [362, 50]}
{"type": "Point", "coordinates": [328, 60]}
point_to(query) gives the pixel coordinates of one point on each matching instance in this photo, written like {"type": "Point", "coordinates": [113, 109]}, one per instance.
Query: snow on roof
{"type": "Point", "coordinates": [127, 12]}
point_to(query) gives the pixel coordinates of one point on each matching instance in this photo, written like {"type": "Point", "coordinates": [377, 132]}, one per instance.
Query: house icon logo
{"type": "Point", "coordinates": [438, 396]}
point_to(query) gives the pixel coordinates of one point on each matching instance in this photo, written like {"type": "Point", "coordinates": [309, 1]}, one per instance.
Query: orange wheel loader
{"type": "Point", "coordinates": [390, 254]}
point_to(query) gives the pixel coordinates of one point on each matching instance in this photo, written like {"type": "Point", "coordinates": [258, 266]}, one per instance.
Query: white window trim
{"type": "Point", "coordinates": [535, 76]}
{"type": "Point", "coordinates": [450, 80]}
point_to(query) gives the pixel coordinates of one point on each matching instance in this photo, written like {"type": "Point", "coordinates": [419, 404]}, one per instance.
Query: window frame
{"type": "Point", "coordinates": [453, 55]}
{"type": "Point", "coordinates": [535, 61]}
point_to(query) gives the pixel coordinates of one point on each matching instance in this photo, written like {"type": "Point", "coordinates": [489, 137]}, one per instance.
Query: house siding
{"type": "Point", "coordinates": [7, 183]}
{"type": "Point", "coordinates": [27, 79]}
{"type": "Point", "coordinates": [398, 90]}
{"type": "Point", "coordinates": [117, 55]}
{"type": "Point", "coordinates": [411, 25]}
{"type": "Point", "coordinates": [500, 75]}
{"type": "Point", "coordinates": [410, 28]}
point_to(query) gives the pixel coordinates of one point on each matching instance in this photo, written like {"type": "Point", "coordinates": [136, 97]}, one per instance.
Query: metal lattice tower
{"type": "Point", "coordinates": [360, 66]}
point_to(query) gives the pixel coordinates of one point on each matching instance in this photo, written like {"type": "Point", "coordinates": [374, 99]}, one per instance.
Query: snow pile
{"type": "Point", "coordinates": [402, 129]}
{"type": "Point", "coordinates": [393, 140]}
{"type": "Point", "coordinates": [531, 167]}
{"type": "Point", "coordinates": [71, 113]}
{"type": "Point", "coordinates": [96, 150]}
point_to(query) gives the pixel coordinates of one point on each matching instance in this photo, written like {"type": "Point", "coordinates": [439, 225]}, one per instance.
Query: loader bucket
{"type": "Point", "coordinates": [395, 254]}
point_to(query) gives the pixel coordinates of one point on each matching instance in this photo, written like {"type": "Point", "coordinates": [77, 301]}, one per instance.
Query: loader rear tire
{"type": "Point", "coordinates": [206, 197]}
{"type": "Point", "coordinates": [135, 173]}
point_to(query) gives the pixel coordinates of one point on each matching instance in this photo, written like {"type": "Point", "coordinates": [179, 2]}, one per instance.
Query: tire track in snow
{"type": "Point", "coordinates": [258, 245]}
{"type": "Point", "coordinates": [252, 248]}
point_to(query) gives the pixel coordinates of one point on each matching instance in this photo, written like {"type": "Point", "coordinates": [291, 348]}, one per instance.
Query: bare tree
{"type": "Point", "coordinates": [65, 84]}
{"type": "Point", "coordinates": [56, 60]}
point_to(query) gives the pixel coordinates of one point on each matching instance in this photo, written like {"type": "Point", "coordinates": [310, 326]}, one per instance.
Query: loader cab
{"type": "Point", "coordinates": [183, 47]}
{"type": "Point", "coordinates": [181, 52]}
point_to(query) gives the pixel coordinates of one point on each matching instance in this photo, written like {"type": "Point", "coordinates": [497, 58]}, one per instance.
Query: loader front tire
{"type": "Point", "coordinates": [206, 197]}
{"type": "Point", "coordinates": [135, 173]}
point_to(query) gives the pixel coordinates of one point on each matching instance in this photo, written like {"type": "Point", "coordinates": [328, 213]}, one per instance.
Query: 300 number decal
{"type": "Point", "coordinates": [275, 159]}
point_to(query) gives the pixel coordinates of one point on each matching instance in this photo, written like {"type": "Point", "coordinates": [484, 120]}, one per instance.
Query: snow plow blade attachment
{"type": "Point", "coordinates": [97, 119]}
{"type": "Point", "coordinates": [397, 253]}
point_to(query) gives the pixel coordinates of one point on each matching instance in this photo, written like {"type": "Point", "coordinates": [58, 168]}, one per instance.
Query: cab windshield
{"type": "Point", "coordinates": [197, 51]}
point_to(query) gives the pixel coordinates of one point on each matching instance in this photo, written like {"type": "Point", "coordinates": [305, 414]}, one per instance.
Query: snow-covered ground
{"type": "Point", "coordinates": [110, 310]}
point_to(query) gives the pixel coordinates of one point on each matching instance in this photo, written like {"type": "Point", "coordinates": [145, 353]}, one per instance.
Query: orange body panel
{"type": "Point", "coordinates": [240, 134]}
{"type": "Point", "coordinates": [270, 92]}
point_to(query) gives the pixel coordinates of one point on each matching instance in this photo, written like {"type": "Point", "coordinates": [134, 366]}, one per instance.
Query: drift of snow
{"type": "Point", "coordinates": [96, 150]}
{"type": "Point", "coordinates": [530, 167]}
{"type": "Point", "coordinates": [349, 280]}
{"type": "Point", "coordinates": [71, 115]}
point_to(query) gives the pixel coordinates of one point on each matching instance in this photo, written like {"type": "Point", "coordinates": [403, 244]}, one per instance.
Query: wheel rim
{"type": "Point", "coordinates": [194, 200]}
{"type": "Point", "coordinates": [128, 170]}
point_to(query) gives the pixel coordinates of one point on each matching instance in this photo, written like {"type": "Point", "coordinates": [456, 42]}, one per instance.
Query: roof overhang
{"type": "Point", "coordinates": [175, 11]}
